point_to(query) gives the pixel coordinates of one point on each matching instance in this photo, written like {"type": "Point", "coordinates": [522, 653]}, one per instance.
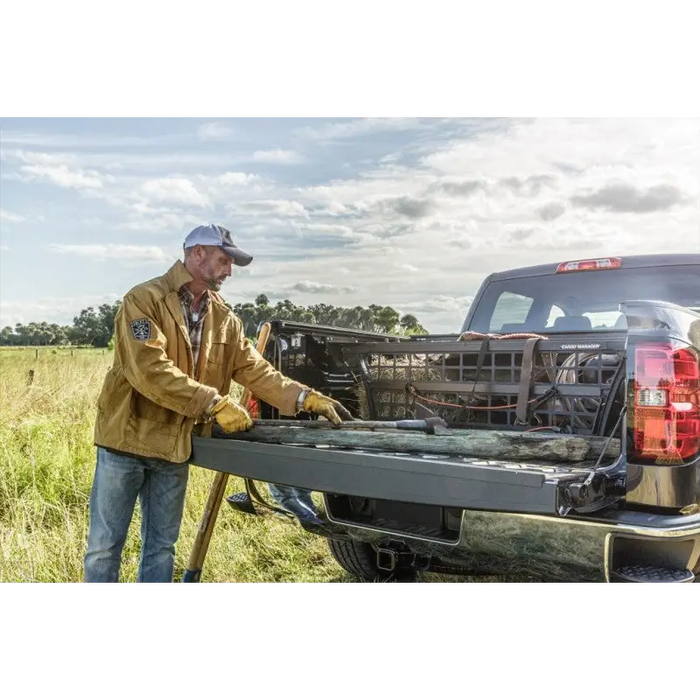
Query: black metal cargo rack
{"type": "Point", "coordinates": [473, 383]}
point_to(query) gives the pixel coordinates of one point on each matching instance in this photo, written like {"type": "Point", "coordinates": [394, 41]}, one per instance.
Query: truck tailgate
{"type": "Point", "coordinates": [460, 482]}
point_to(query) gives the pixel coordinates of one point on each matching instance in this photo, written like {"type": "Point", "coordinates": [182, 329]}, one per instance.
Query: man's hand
{"type": "Point", "coordinates": [231, 417]}
{"type": "Point", "coordinates": [326, 407]}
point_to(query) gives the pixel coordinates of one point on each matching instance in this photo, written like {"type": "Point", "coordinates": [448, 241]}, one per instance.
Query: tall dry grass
{"type": "Point", "coordinates": [46, 466]}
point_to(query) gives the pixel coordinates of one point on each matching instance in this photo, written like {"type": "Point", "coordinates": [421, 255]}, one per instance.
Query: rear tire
{"type": "Point", "coordinates": [357, 558]}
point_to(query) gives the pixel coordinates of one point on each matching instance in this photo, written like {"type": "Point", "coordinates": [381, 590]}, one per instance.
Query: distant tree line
{"type": "Point", "coordinates": [95, 327]}
{"type": "Point", "coordinates": [90, 327]}
{"type": "Point", "coordinates": [379, 319]}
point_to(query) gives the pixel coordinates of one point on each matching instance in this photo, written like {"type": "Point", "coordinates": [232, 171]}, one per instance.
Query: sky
{"type": "Point", "coordinates": [408, 212]}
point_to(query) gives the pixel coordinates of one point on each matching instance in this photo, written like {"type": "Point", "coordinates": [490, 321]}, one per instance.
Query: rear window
{"type": "Point", "coordinates": [580, 301]}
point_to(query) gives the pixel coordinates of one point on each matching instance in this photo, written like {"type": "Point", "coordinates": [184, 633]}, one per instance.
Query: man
{"type": "Point", "coordinates": [177, 347]}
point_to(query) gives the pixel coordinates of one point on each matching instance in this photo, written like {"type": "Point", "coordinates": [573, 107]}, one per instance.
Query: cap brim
{"type": "Point", "coordinates": [240, 258]}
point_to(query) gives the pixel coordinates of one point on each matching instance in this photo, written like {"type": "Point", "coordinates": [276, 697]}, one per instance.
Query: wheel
{"type": "Point", "coordinates": [357, 558]}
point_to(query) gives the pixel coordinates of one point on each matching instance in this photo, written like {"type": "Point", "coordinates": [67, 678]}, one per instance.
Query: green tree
{"type": "Point", "coordinates": [96, 326]}
{"type": "Point", "coordinates": [410, 325]}
{"type": "Point", "coordinates": [7, 336]}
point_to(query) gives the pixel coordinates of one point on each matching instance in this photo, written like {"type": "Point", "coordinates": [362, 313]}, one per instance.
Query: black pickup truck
{"type": "Point", "coordinates": [604, 349]}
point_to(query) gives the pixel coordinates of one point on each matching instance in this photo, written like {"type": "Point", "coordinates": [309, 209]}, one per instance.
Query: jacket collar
{"type": "Point", "coordinates": [176, 276]}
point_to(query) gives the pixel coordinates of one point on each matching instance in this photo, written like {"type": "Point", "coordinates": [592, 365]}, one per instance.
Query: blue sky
{"type": "Point", "coordinates": [411, 213]}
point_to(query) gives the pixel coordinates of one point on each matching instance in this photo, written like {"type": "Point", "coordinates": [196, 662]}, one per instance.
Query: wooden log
{"type": "Point", "coordinates": [489, 444]}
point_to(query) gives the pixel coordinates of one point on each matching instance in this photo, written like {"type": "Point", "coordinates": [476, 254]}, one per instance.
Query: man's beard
{"type": "Point", "coordinates": [213, 283]}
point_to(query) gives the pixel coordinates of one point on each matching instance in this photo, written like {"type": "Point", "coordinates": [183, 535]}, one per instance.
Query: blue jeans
{"type": "Point", "coordinates": [295, 500]}
{"type": "Point", "coordinates": [160, 487]}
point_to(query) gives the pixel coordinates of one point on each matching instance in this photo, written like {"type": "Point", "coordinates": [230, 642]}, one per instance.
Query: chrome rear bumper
{"type": "Point", "coordinates": [550, 548]}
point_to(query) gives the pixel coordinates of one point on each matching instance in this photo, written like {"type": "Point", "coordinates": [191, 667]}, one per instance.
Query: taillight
{"type": "Point", "coordinates": [666, 414]}
{"type": "Point", "coordinates": [596, 264]}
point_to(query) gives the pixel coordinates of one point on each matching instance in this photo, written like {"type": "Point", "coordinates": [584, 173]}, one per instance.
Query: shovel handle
{"type": "Point", "coordinates": [408, 424]}
{"type": "Point", "coordinates": [193, 572]}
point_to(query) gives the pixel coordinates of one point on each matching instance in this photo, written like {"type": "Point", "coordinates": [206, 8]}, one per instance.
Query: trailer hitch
{"type": "Point", "coordinates": [393, 560]}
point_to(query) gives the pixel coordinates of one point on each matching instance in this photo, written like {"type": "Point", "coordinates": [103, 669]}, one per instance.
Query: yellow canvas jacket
{"type": "Point", "coordinates": [149, 402]}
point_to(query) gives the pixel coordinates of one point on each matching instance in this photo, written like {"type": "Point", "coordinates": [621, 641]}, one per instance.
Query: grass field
{"type": "Point", "coordinates": [46, 466]}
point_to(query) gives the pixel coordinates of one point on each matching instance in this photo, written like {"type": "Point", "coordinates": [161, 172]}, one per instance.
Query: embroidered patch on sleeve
{"type": "Point", "coordinates": [141, 329]}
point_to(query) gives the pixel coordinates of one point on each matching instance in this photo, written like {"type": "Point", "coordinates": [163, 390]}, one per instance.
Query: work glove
{"type": "Point", "coordinates": [231, 417]}
{"type": "Point", "coordinates": [326, 407]}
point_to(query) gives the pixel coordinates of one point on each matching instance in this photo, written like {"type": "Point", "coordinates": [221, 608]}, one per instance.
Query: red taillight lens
{"type": "Point", "coordinates": [596, 264]}
{"type": "Point", "coordinates": [666, 403]}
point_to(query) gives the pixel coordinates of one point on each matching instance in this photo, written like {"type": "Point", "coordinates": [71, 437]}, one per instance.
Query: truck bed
{"type": "Point", "coordinates": [571, 385]}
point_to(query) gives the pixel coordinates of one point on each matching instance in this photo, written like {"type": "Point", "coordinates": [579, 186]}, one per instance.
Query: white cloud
{"type": "Point", "coordinates": [279, 156]}
{"type": "Point", "coordinates": [82, 139]}
{"type": "Point", "coordinates": [111, 251]}
{"type": "Point", "coordinates": [357, 127]}
{"type": "Point", "coordinates": [309, 287]}
{"type": "Point", "coordinates": [166, 204]}
{"type": "Point", "coordinates": [58, 169]}
{"type": "Point", "coordinates": [473, 195]}
{"type": "Point", "coordinates": [94, 221]}
{"type": "Point", "coordinates": [63, 176]}
{"type": "Point", "coordinates": [9, 216]}
{"type": "Point", "coordinates": [573, 147]}
{"type": "Point", "coordinates": [161, 220]}
{"type": "Point", "coordinates": [215, 131]}
{"type": "Point", "coordinates": [273, 207]}
{"type": "Point", "coordinates": [233, 178]}
{"type": "Point", "coordinates": [326, 228]}
{"type": "Point", "coordinates": [175, 190]}
{"type": "Point", "coordinates": [4, 247]}
{"type": "Point", "coordinates": [442, 302]}
{"type": "Point", "coordinates": [156, 162]}
{"type": "Point", "coordinates": [171, 203]}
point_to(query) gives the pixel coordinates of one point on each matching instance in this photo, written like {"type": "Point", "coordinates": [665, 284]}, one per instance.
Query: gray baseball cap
{"type": "Point", "coordinates": [213, 234]}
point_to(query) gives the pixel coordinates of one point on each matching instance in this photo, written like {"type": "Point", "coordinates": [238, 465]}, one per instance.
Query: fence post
{"type": "Point", "coordinates": [36, 353]}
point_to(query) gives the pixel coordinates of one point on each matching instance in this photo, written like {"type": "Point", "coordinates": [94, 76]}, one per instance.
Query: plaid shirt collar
{"type": "Point", "coordinates": [186, 301]}
{"type": "Point", "coordinates": [194, 321]}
